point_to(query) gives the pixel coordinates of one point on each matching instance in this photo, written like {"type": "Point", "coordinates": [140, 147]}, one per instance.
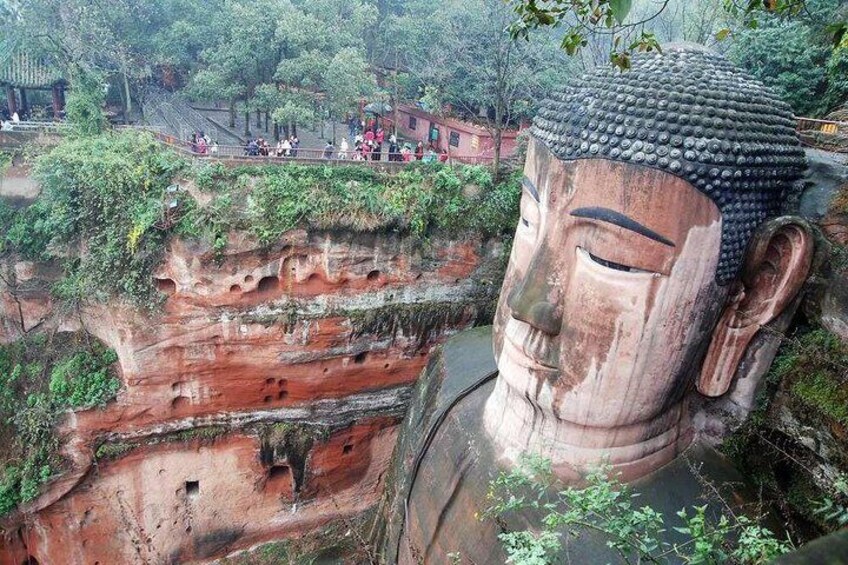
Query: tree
{"type": "Point", "coordinates": [582, 19]}
{"type": "Point", "coordinates": [796, 57]}
{"type": "Point", "coordinates": [346, 81]}
{"type": "Point", "coordinates": [85, 103]}
{"type": "Point", "coordinates": [240, 57]}
{"type": "Point", "coordinates": [463, 51]}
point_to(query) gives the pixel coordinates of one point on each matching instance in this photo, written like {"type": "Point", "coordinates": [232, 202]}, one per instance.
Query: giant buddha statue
{"type": "Point", "coordinates": [651, 250]}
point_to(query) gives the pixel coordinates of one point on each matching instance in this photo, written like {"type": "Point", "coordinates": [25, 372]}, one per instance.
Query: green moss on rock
{"type": "Point", "coordinates": [41, 376]}
{"type": "Point", "coordinates": [807, 379]}
{"type": "Point", "coordinates": [112, 450]}
{"type": "Point", "coordinates": [813, 369]}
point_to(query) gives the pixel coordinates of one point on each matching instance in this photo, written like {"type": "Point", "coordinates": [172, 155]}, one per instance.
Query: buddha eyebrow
{"type": "Point", "coordinates": [531, 188]}
{"type": "Point", "coordinates": [620, 220]}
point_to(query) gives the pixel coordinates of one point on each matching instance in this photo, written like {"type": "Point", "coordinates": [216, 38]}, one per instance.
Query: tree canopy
{"type": "Point", "coordinates": [489, 61]}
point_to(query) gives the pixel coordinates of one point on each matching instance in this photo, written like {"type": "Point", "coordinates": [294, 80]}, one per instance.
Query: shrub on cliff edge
{"type": "Point", "coordinates": [106, 213]}
{"type": "Point", "coordinates": [423, 200]}
{"type": "Point", "coordinates": [39, 378]}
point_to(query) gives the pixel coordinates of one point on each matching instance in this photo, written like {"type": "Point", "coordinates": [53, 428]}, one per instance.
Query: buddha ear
{"type": "Point", "coordinates": [776, 266]}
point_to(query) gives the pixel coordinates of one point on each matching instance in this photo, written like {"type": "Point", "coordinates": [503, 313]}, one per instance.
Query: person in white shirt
{"type": "Point", "coordinates": [343, 149]}
{"type": "Point", "coordinates": [15, 117]}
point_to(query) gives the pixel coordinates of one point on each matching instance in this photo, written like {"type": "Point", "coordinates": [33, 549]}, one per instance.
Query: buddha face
{"type": "Point", "coordinates": [610, 299]}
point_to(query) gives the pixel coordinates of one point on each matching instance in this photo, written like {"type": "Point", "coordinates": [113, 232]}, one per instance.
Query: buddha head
{"type": "Point", "coordinates": [650, 251]}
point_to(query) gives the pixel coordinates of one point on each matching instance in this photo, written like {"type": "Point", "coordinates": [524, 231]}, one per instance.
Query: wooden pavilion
{"type": "Point", "coordinates": [22, 71]}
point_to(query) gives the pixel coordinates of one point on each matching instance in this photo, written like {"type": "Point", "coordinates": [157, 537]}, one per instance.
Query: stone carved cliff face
{"type": "Point", "coordinates": [602, 315]}
{"type": "Point", "coordinates": [325, 332]}
{"type": "Point", "coordinates": [610, 312]}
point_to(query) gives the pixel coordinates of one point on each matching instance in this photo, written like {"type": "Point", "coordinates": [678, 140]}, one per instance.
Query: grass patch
{"type": "Point", "coordinates": [823, 394]}
{"type": "Point", "coordinates": [813, 368]}
{"type": "Point", "coordinates": [114, 450]}
{"type": "Point", "coordinates": [40, 377]}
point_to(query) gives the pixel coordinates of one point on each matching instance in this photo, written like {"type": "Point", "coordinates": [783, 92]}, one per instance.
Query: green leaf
{"type": "Point", "coordinates": [620, 9]}
{"type": "Point", "coordinates": [721, 35]}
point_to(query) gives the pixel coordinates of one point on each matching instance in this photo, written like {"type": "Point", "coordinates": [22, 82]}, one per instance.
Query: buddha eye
{"type": "Point", "coordinates": [525, 223]}
{"type": "Point", "coordinates": [613, 265]}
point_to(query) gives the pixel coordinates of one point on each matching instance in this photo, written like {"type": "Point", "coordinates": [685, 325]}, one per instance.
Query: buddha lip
{"type": "Point", "coordinates": [535, 355]}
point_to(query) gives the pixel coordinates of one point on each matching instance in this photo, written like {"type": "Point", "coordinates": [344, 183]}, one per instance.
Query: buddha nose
{"type": "Point", "coordinates": [530, 301]}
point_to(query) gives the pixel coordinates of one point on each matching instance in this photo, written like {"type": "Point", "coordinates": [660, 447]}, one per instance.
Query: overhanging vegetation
{"type": "Point", "coordinates": [106, 211]}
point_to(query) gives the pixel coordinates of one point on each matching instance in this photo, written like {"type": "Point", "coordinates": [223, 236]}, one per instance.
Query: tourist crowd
{"type": "Point", "coordinates": [369, 143]}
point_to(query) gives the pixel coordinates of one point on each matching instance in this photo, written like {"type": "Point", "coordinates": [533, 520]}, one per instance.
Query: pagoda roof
{"type": "Point", "coordinates": [21, 69]}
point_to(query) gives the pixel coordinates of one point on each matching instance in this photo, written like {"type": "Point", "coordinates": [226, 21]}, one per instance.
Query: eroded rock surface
{"type": "Point", "coordinates": [325, 332]}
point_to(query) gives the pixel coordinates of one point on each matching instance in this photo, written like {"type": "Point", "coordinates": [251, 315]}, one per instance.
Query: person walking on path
{"type": "Point", "coordinates": [329, 150]}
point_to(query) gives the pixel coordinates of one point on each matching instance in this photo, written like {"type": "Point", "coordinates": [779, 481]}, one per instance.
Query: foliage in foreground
{"type": "Point", "coordinates": [106, 214]}
{"type": "Point", "coordinates": [39, 378]}
{"type": "Point", "coordinates": [608, 507]}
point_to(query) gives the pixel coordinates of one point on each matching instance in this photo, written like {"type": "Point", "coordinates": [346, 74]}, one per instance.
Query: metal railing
{"type": "Point", "coordinates": [243, 153]}
{"type": "Point", "coordinates": [35, 126]}
{"type": "Point", "coordinates": [827, 135]}
{"type": "Point", "coordinates": [827, 127]}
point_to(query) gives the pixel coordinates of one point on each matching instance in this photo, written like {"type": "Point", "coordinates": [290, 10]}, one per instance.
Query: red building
{"type": "Point", "coordinates": [462, 139]}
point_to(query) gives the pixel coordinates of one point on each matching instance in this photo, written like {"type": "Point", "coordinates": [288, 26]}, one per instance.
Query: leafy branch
{"type": "Point", "coordinates": [608, 507]}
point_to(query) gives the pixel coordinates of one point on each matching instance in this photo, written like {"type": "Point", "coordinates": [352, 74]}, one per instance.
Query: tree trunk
{"type": "Point", "coordinates": [267, 120]}
{"type": "Point", "coordinates": [276, 131]}
{"type": "Point", "coordinates": [128, 106]}
{"type": "Point", "coordinates": [496, 161]}
{"type": "Point", "coordinates": [122, 95]}
{"type": "Point", "coordinates": [24, 102]}
{"type": "Point", "coordinates": [334, 132]}
{"type": "Point", "coordinates": [11, 100]}
{"type": "Point", "coordinates": [247, 123]}
{"type": "Point", "coordinates": [395, 101]}
{"type": "Point", "coordinates": [56, 91]}
{"type": "Point", "coordinates": [499, 127]}
{"type": "Point", "coordinates": [232, 114]}
{"type": "Point", "coordinates": [286, 130]}
{"type": "Point", "coordinates": [258, 119]}
{"type": "Point", "coordinates": [294, 128]}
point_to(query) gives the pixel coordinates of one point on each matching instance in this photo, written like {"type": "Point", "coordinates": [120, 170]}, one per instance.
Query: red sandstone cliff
{"type": "Point", "coordinates": [260, 403]}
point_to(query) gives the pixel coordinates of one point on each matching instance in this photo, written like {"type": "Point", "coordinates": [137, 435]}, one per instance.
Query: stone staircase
{"type": "Point", "coordinates": [174, 116]}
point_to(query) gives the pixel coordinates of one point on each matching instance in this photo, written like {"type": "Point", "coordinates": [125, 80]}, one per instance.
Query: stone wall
{"type": "Point", "coordinates": [260, 402]}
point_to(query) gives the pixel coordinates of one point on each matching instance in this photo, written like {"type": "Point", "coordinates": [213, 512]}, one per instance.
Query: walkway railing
{"type": "Point", "coordinates": [36, 126]}
{"type": "Point", "coordinates": [828, 127]}
{"type": "Point", "coordinates": [824, 134]}
{"type": "Point", "coordinates": [241, 154]}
